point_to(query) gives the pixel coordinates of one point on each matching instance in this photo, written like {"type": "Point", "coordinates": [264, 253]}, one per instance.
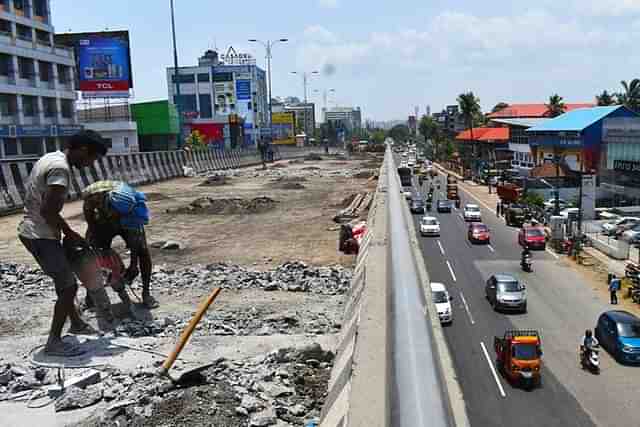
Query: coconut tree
{"type": "Point", "coordinates": [556, 106]}
{"type": "Point", "coordinates": [630, 97]}
{"type": "Point", "coordinates": [469, 108]}
{"type": "Point", "coordinates": [605, 99]}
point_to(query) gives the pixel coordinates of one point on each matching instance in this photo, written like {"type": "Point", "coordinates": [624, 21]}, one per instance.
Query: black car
{"type": "Point", "coordinates": [444, 205]}
{"type": "Point", "coordinates": [618, 332]}
{"type": "Point", "coordinates": [417, 206]}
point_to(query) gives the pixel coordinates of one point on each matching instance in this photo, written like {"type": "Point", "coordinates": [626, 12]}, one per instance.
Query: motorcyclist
{"type": "Point", "coordinates": [526, 255]}
{"type": "Point", "coordinates": [429, 204]}
{"type": "Point", "coordinates": [588, 343]}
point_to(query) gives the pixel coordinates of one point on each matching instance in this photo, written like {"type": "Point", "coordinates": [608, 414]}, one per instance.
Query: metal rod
{"type": "Point", "coordinates": [176, 75]}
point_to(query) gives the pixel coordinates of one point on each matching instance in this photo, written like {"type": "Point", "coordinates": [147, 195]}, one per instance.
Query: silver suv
{"type": "Point", "coordinates": [505, 292]}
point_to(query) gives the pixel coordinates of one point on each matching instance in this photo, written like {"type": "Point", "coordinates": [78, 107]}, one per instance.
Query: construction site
{"type": "Point", "coordinates": [267, 238]}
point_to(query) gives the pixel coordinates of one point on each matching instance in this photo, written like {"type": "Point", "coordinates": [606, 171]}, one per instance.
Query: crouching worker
{"type": "Point", "coordinates": [114, 208]}
{"type": "Point", "coordinates": [42, 228]}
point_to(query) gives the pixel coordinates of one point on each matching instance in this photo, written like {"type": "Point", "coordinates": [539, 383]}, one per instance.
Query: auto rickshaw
{"type": "Point", "coordinates": [519, 357]}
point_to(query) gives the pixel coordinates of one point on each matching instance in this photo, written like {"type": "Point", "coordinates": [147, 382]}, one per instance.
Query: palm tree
{"type": "Point", "coordinates": [605, 99]}
{"type": "Point", "coordinates": [556, 106]}
{"type": "Point", "coordinates": [470, 108]}
{"type": "Point", "coordinates": [630, 98]}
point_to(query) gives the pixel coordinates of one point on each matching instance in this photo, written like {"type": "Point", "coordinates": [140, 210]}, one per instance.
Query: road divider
{"type": "Point", "coordinates": [493, 370]}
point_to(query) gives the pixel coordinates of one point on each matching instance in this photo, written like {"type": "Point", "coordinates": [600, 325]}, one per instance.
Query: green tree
{"type": "Point", "coordinates": [605, 99]}
{"type": "Point", "coordinates": [630, 98]}
{"type": "Point", "coordinates": [399, 133]}
{"type": "Point", "coordinates": [428, 127]}
{"type": "Point", "coordinates": [556, 106]}
{"type": "Point", "coordinates": [499, 106]}
{"type": "Point", "coordinates": [469, 108]}
{"type": "Point", "coordinates": [378, 136]}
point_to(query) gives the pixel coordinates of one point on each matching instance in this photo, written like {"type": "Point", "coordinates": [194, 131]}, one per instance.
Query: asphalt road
{"type": "Point", "coordinates": [560, 306]}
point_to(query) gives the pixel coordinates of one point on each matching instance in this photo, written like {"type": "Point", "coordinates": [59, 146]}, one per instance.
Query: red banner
{"type": "Point", "coordinates": [211, 131]}
{"type": "Point", "coordinates": [104, 86]}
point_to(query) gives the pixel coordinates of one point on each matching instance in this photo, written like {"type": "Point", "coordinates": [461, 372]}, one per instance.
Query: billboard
{"type": "Point", "coordinates": [282, 128]}
{"type": "Point", "coordinates": [103, 63]}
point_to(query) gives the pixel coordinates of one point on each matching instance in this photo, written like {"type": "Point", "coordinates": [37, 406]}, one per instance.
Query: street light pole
{"type": "Point", "coordinates": [268, 45]}
{"type": "Point", "coordinates": [305, 78]}
{"type": "Point", "coordinates": [176, 75]}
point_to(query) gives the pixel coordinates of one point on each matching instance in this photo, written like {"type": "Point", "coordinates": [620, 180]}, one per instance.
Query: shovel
{"type": "Point", "coordinates": [192, 376]}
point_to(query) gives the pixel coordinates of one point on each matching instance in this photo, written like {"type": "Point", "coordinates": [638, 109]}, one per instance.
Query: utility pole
{"type": "Point", "coordinates": [268, 45]}
{"type": "Point", "coordinates": [176, 76]}
{"type": "Point", "coordinates": [556, 158]}
{"type": "Point", "coordinates": [305, 78]}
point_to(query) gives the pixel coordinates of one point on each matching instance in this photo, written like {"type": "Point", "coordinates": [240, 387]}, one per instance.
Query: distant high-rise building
{"type": "Point", "coordinates": [346, 117]}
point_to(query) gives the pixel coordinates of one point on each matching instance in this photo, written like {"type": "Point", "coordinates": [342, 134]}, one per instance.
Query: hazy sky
{"type": "Point", "coordinates": [388, 56]}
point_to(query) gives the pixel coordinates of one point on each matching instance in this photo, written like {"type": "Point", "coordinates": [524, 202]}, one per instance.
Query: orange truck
{"type": "Point", "coordinates": [519, 356]}
{"type": "Point", "coordinates": [509, 193]}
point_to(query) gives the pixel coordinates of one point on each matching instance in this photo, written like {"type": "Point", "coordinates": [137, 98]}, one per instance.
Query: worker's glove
{"type": "Point", "coordinates": [131, 273]}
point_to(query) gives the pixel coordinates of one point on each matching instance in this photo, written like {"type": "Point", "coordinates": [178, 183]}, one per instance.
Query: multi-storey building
{"type": "Point", "coordinates": [225, 102]}
{"type": "Point", "coordinates": [345, 117]}
{"type": "Point", "coordinates": [305, 115]}
{"type": "Point", "coordinates": [37, 97]}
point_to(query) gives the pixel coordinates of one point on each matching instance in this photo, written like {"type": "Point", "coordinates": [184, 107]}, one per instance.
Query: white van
{"type": "Point", "coordinates": [442, 301]}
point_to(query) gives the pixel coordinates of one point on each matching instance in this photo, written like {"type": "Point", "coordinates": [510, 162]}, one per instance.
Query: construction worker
{"type": "Point", "coordinates": [114, 208]}
{"type": "Point", "coordinates": [42, 228]}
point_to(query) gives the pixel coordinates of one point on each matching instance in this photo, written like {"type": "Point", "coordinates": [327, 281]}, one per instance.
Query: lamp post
{"type": "Point", "coordinates": [268, 45]}
{"type": "Point", "coordinates": [176, 75]}
{"type": "Point", "coordinates": [305, 78]}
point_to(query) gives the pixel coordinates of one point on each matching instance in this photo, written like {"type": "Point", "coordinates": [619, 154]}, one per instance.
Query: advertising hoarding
{"type": "Point", "coordinates": [103, 63]}
{"type": "Point", "coordinates": [282, 128]}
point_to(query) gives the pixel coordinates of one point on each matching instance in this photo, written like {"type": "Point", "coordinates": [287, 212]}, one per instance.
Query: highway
{"type": "Point", "coordinates": [560, 306]}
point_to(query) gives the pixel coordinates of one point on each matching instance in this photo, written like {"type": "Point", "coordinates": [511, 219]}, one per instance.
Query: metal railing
{"type": "Point", "coordinates": [419, 397]}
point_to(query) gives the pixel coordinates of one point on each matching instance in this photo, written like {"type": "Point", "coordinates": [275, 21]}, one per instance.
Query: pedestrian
{"type": "Point", "coordinates": [614, 287]}
{"type": "Point", "coordinates": [498, 207]}
{"type": "Point", "coordinates": [43, 226]}
{"type": "Point", "coordinates": [114, 208]}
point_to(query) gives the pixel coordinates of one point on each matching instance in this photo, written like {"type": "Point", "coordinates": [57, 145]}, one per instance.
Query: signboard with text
{"type": "Point", "coordinates": [626, 165]}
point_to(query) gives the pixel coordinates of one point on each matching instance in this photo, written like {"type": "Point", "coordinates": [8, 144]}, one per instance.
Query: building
{"type": "Point", "coordinates": [482, 147]}
{"type": "Point", "coordinates": [450, 120]}
{"type": "Point", "coordinates": [226, 101]}
{"type": "Point", "coordinates": [305, 117]}
{"type": "Point", "coordinates": [347, 118]}
{"type": "Point", "coordinates": [37, 97]}
{"type": "Point", "coordinates": [114, 123]}
{"type": "Point", "coordinates": [157, 124]}
{"type": "Point", "coordinates": [522, 158]}
{"type": "Point", "coordinates": [531, 111]}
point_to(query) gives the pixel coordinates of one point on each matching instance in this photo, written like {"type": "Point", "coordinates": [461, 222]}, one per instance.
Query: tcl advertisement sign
{"type": "Point", "coordinates": [103, 63]}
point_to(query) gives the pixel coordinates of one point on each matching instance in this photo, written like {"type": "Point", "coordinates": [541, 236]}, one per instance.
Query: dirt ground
{"type": "Point", "coordinates": [297, 228]}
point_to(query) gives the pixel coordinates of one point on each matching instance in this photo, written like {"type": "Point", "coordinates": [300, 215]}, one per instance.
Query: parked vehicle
{"type": "Point", "coordinates": [519, 356]}
{"type": "Point", "coordinates": [478, 232]}
{"type": "Point", "coordinates": [429, 226]}
{"type": "Point", "coordinates": [505, 292]}
{"type": "Point", "coordinates": [417, 206]}
{"type": "Point", "coordinates": [610, 228]}
{"type": "Point", "coordinates": [515, 215]}
{"type": "Point", "coordinates": [624, 228]}
{"type": "Point", "coordinates": [570, 214]}
{"type": "Point", "coordinates": [551, 204]}
{"type": "Point", "coordinates": [472, 213]}
{"type": "Point", "coordinates": [618, 332]}
{"type": "Point", "coordinates": [532, 238]}
{"type": "Point", "coordinates": [444, 206]}
{"type": "Point", "coordinates": [442, 300]}
{"type": "Point", "coordinates": [509, 193]}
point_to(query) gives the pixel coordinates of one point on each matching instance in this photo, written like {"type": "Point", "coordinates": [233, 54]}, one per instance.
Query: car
{"type": "Point", "coordinates": [472, 212]}
{"type": "Point", "coordinates": [551, 204]}
{"type": "Point", "coordinates": [429, 226]}
{"type": "Point", "coordinates": [610, 228]}
{"type": "Point", "coordinates": [505, 292]}
{"type": "Point", "coordinates": [532, 237]}
{"type": "Point", "coordinates": [619, 232]}
{"type": "Point", "coordinates": [570, 213]}
{"type": "Point", "coordinates": [444, 206]}
{"type": "Point", "coordinates": [478, 232]}
{"type": "Point", "coordinates": [442, 300]}
{"type": "Point", "coordinates": [417, 206]}
{"type": "Point", "coordinates": [618, 332]}
{"type": "Point", "coordinates": [631, 235]}
{"type": "Point", "coordinates": [407, 193]}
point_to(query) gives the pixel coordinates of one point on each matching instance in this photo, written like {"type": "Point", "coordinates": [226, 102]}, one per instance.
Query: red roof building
{"type": "Point", "coordinates": [489, 135]}
{"type": "Point", "coordinates": [531, 110]}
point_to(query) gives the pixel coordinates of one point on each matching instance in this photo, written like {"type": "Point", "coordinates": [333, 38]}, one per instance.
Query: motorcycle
{"type": "Point", "coordinates": [590, 359]}
{"type": "Point", "coordinates": [525, 263]}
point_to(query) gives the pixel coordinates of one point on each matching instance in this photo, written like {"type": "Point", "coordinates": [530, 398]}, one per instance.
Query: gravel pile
{"type": "Point", "coordinates": [211, 206]}
{"type": "Point", "coordinates": [292, 276]}
{"type": "Point", "coordinates": [19, 281]}
{"type": "Point", "coordinates": [284, 388]}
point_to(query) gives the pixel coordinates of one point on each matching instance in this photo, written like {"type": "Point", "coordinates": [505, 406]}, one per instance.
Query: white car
{"type": "Point", "coordinates": [442, 301]}
{"type": "Point", "coordinates": [551, 204]}
{"type": "Point", "coordinates": [429, 226]}
{"type": "Point", "coordinates": [472, 213]}
{"type": "Point", "coordinates": [569, 212]}
{"type": "Point", "coordinates": [610, 228]}
{"type": "Point", "coordinates": [408, 195]}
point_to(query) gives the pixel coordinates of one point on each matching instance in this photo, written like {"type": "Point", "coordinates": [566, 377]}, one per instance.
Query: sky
{"type": "Point", "coordinates": [387, 56]}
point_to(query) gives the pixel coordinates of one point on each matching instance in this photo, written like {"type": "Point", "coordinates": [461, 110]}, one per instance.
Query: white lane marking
{"type": "Point", "coordinates": [441, 248]}
{"type": "Point", "coordinates": [461, 217]}
{"type": "Point", "coordinates": [466, 307]}
{"type": "Point", "coordinates": [554, 255]}
{"type": "Point", "coordinates": [491, 248]}
{"type": "Point", "coordinates": [493, 370]}
{"type": "Point", "coordinates": [453, 275]}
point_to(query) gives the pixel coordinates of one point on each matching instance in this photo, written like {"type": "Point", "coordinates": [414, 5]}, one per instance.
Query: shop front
{"type": "Point", "coordinates": [620, 163]}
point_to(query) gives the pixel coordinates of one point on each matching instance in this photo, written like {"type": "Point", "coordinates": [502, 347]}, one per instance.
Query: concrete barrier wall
{"type": "Point", "coordinates": [135, 168]}
{"type": "Point", "coordinates": [619, 251]}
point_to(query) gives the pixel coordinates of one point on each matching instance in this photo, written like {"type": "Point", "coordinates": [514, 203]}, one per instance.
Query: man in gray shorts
{"type": "Point", "coordinates": [42, 228]}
